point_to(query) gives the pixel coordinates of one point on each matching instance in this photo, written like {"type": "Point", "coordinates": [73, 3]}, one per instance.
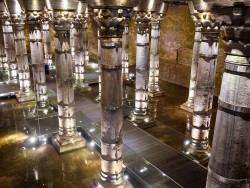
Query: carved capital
{"type": "Point", "coordinates": [143, 20]}
{"type": "Point", "coordinates": [111, 21]}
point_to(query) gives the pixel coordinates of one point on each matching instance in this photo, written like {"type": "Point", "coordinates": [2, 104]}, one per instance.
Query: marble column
{"type": "Point", "coordinates": [10, 67]}
{"type": "Point", "coordinates": [229, 164]}
{"type": "Point", "coordinates": [98, 98]}
{"type": "Point", "coordinates": [25, 93]}
{"type": "Point", "coordinates": [79, 33]}
{"type": "Point", "coordinates": [72, 40]}
{"type": "Point", "coordinates": [46, 39]}
{"type": "Point", "coordinates": [189, 104]}
{"type": "Point", "coordinates": [4, 66]}
{"type": "Point", "coordinates": [153, 85]}
{"type": "Point", "coordinates": [125, 48]}
{"type": "Point", "coordinates": [85, 34]}
{"type": "Point", "coordinates": [67, 139]}
{"type": "Point", "coordinates": [140, 113]}
{"type": "Point", "coordinates": [203, 100]}
{"type": "Point", "coordinates": [111, 98]}
{"type": "Point", "coordinates": [37, 60]}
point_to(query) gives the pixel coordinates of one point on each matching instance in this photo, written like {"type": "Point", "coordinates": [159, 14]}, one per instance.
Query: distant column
{"type": "Point", "coordinates": [46, 39]}
{"type": "Point", "coordinates": [203, 100]}
{"type": "Point", "coordinates": [140, 112]}
{"type": "Point", "coordinates": [125, 57]}
{"type": "Point", "coordinates": [229, 164]}
{"type": "Point", "coordinates": [10, 67]}
{"type": "Point", "coordinates": [85, 34]}
{"type": "Point", "coordinates": [25, 93]}
{"type": "Point", "coordinates": [37, 60]}
{"type": "Point", "coordinates": [98, 98]}
{"type": "Point", "coordinates": [67, 138]}
{"type": "Point", "coordinates": [4, 66]}
{"type": "Point", "coordinates": [189, 105]}
{"type": "Point", "coordinates": [79, 31]}
{"type": "Point", "coordinates": [153, 85]}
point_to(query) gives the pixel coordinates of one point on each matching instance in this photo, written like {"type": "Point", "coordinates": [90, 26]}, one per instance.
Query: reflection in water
{"type": "Point", "coordinates": [152, 107]}
{"type": "Point", "coordinates": [190, 146]}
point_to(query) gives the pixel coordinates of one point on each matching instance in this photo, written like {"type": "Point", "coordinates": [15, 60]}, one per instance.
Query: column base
{"type": "Point", "coordinates": [82, 87]}
{"type": "Point", "coordinates": [128, 82]}
{"type": "Point", "coordinates": [198, 154]}
{"type": "Point", "coordinates": [142, 121]}
{"type": "Point", "coordinates": [155, 93]}
{"type": "Point", "coordinates": [69, 144]}
{"type": "Point", "coordinates": [25, 97]}
{"type": "Point", "coordinates": [187, 107]}
{"type": "Point", "coordinates": [98, 98]}
{"type": "Point", "coordinates": [43, 112]}
{"type": "Point", "coordinates": [98, 183]}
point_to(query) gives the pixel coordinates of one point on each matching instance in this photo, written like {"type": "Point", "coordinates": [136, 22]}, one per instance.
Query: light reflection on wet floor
{"type": "Point", "coordinates": [26, 164]}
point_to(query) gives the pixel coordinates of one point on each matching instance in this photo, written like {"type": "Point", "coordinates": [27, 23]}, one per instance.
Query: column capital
{"type": "Point", "coordinates": [111, 21]}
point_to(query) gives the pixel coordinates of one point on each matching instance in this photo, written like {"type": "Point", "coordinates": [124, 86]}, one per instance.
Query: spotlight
{"type": "Point", "coordinates": [32, 139]}
{"type": "Point", "coordinates": [92, 130]}
{"type": "Point", "coordinates": [92, 144]}
{"type": "Point", "coordinates": [187, 142]}
{"type": "Point", "coordinates": [126, 177]}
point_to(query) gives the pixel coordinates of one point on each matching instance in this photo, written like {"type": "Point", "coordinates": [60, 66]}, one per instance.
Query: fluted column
{"type": "Point", "coordinates": [25, 93]}
{"type": "Point", "coordinates": [67, 138]}
{"type": "Point", "coordinates": [125, 57]}
{"type": "Point", "coordinates": [46, 39]}
{"type": "Point", "coordinates": [140, 112]}
{"type": "Point", "coordinates": [37, 60]}
{"type": "Point", "coordinates": [205, 82]}
{"type": "Point", "coordinates": [189, 104]}
{"type": "Point", "coordinates": [10, 67]}
{"type": "Point", "coordinates": [110, 33]}
{"type": "Point", "coordinates": [154, 88]}
{"type": "Point", "coordinates": [229, 164]}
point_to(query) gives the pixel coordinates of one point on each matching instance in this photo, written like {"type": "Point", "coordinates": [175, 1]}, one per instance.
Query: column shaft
{"type": "Point", "coordinates": [37, 59]}
{"type": "Point", "coordinates": [85, 39]}
{"type": "Point", "coordinates": [99, 65]}
{"type": "Point", "coordinates": [79, 54]}
{"type": "Point", "coordinates": [11, 65]}
{"type": "Point", "coordinates": [125, 57]}
{"type": "Point", "coordinates": [23, 63]}
{"type": "Point", "coordinates": [204, 88]}
{"type": "Point", "coordinates": [72, 40]}
{"type": "Point", "coordinates": [3, 60]}
{"type": "Point", "coordinates": [46, 42]}
{"type": "Point", "coordinates": [154, 89]}
{"type": "Point", "coordinates": [111, 100]}
{"type": "Point", "coordinates": [142, 67]}
{"type": "Point", "coordinates": [189, 105]}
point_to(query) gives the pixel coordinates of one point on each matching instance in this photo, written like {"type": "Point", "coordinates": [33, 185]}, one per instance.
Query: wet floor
{"type": "Point", "coordinates": [25, 164]}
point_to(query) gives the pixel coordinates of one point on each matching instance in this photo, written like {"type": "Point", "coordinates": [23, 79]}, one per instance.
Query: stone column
{"type": "Point", "coordinates": [125, 57]}
{"type": "Point", "coordinates": [153, 86]}
{"type": "Point", "coordinates": [4, 66]}
{"type": "Point", "coordinates": [10, 67]}
{"type": "Point", "coordinates": [67, 138]}
{"type": "Point", "coordinates": [210, 30]}
{"type": "Point", "coordinates": [111, 98]}
{"type": "Point", "coordinates": [98, 98]}
{"type": "Point", "coordinates": [79, 37]}
{"type": "Point", "coordinates": [37, 60]}
{"type": "Point", "coordinates": [25, 93]}
{"type": "Point", "coordinates": [85, 34]}
{"type": "Point", "coordinates": [229, 164]}
{"type": "Point", "coordinates": [72, 40]}
{"type": "Point", "coordinates": [46, 39]}
{"type": "Point", "coordinates": [140, 114]}
{"type": "Point", "coordinates": [189, 105]}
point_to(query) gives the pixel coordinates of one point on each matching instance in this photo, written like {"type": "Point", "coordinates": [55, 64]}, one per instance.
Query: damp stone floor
{"type": "Point", "coordinates": [26, 164]}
